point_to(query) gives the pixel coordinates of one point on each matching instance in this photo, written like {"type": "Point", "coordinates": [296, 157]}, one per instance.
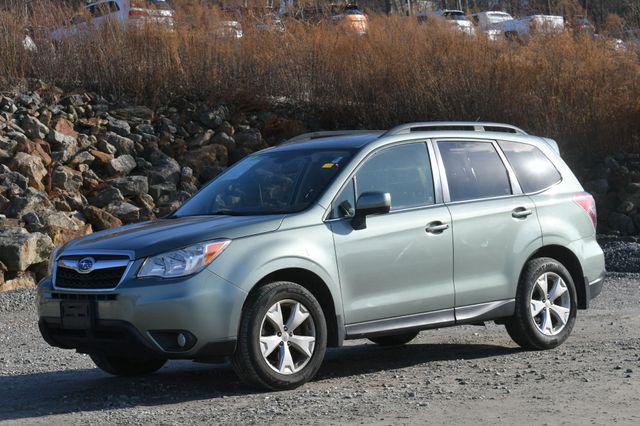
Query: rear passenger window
{"type": "Point", "coordinates": [474, 170]}
{"type": "Point", "coordinates": [403, 171]}
{"type": "Point", "coordinates": [533, 169]}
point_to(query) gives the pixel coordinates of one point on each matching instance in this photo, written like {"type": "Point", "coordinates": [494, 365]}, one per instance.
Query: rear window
{"type": "Point", "coordinates": [533, 169]}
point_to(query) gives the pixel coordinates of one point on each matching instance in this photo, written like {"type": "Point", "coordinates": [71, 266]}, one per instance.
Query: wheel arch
{"type": "Point", "coordinates": [570, 261]}
{"type": "Point", "coordinates": [320, 290]}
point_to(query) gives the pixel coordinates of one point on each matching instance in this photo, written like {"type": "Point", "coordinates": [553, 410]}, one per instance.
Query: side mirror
{"type": "Point", "coordinates": [370, 203]}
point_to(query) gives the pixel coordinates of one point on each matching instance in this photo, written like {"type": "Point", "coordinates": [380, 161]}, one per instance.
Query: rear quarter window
{"type": "Point", "coordinates": [533, 169]}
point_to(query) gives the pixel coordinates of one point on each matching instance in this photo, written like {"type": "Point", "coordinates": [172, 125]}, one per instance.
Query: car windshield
{"type": "Point", "coordinates": [268, 183]}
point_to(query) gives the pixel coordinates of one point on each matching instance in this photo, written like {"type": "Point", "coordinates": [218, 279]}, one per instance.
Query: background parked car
{"type": "Point", "coordinates": [490, 23]}
{"type": "Point", "coordinates": [523, 27]}
{"type": "Point", "coordinates": [228, 29]}
{"type": "Point", "coordinates": [351, 17]}
{"type": "Point", "coordinates": [129, 12]}
{"type": "Point", "coordinates": [457, 18]}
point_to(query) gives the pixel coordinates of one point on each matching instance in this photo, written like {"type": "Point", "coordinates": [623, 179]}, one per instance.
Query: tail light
{"type": "Point", "coordinates": [586, 201]}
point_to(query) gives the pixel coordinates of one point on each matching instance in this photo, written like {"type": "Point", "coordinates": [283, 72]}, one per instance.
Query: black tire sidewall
{"type": "Point", "coordinates": [523, 304]}
{"type": "Point", "coordinates": [298, 293]}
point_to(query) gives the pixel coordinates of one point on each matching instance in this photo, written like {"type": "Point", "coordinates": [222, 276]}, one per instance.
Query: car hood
{"type": "Point", "coordinates": [150, 238]}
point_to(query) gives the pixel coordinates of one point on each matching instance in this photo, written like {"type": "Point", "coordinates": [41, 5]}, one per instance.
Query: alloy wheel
{"type": "Point", "coordinates": [287, 337]}
{"type": "Point", "coordinates": [550, 304]}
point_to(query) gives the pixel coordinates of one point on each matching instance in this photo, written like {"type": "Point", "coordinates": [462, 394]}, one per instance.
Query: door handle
{"type": "Point", "coordinates": [521, 213]}
{"type": "Point", "coordinates": [436, 227]}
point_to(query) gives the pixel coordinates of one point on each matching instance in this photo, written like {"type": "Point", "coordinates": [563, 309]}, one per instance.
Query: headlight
{"type": "Point", "coordinates": [52, 260]}
{"type": "Point", "coordinates": [186, 261]}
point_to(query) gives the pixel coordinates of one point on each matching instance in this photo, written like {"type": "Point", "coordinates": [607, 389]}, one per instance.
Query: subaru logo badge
{"type": "Point", "coordinates": [85, 265]}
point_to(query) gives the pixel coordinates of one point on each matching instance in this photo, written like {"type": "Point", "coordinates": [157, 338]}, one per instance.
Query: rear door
{"type": "Point", "coordinates": [402, 262]}
{"type": "Point", "coordinates": [495, 226]}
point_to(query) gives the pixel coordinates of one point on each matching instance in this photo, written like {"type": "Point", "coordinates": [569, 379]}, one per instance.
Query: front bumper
{"type": "Point", "coordinates": [131, 319]}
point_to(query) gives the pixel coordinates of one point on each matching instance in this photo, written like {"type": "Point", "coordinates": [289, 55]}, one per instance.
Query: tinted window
{"type": "Point", "coordinates": [268, 183]}
{"type": "Point", "coordinates": [533, 169]}
{"type": "Point", "coordinates": [402, 171]}
{"type": "Point", "coordinates": [345, 203]}
{"type": "Point", "coordinates": [474, 170]}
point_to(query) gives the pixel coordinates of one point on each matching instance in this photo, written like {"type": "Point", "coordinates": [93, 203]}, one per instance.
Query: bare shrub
{"type": "Point", "coordinates": [581, 91]}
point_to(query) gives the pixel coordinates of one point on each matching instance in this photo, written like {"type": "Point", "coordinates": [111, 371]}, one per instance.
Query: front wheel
{"type": "Point", "coordinates": [546, 306]}
{"type": "Point", "coordinates": [282, 337]}
{"type": "Point", "coordinates": [119, 366]}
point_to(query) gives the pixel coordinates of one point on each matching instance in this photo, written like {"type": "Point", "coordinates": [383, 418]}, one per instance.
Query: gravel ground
{"type": "Point", "coordinates": [464, 375]}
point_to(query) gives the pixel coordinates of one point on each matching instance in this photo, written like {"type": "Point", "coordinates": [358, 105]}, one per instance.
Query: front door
{"type": "Point", "coordinates": [401, 263]}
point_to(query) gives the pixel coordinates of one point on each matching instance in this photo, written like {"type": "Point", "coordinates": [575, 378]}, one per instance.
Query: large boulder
{"type": "Point", "coordinates": [20, 249]}
{"type": "Point", "coordinates": [30, 201]}
{"type": "Point", "coordinates": [63, 133]}
{"type": "Point", "coordinates": [126, 212]}
{"type": "Point", "coordinates": [38, 148]}
{"type": "Point", "coordinates": [251, 139]}
{"type": "Point", "coordinates": [120, 127]}
{"type": "Point", "coordinates": [62, 226]}
{"type": "Point", "coordinates": [120, 143]}
{"type": "Point", "coordinates": [131, 186]}
{"type": "Point", "coordinates": [101, 219]}
{"type": "Point", "coordinates": [31, 167]}
{"type": "Point", "coordinates": [33, 128]}
{"type": "Point", "coordinates": [210, 155]}
{"type": "Point", "coordinates": [106, 196]}
{"type": "Point", "coordinates": [121, 166]}
{"type": "Point", "coordinates": [621, 223]}
{"type": "Point", "coordinates": [164, 168]}
{"type": "Point", "coordinates": [67, 179]}
{"type": "Point", "coordinates": [21, 279]}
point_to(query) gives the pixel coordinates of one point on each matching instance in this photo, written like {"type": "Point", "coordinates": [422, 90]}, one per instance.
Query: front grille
{"type": "Point", "coordinates": [95, 280]}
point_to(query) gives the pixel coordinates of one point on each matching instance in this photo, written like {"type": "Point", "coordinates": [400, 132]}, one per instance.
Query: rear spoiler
{"type": "Point", "coordinates": [552, 144]}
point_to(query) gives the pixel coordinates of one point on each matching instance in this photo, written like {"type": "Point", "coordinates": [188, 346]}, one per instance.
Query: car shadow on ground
{"type": "Point", "coordinates": [67, 391]}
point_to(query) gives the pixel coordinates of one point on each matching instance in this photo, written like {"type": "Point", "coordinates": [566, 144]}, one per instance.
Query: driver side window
{"type": "Point", "coordinates": [403, 171]}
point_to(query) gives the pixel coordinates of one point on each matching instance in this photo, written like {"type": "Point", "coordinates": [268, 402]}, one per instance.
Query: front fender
{"type": "Point", "coordinates": [248, 260]}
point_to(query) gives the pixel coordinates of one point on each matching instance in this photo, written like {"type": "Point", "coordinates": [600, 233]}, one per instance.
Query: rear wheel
{"type": "Point", "coordinates": [119, 366]}
{"type": "Point", "coordinates": [282, 337]}
{"type": "Point", "coordinates": [546, 306]}
{"type": "Point", "coordinates": [394, 339]}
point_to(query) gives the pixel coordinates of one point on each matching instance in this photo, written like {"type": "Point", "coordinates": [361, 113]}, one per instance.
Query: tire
{"type": "Point", "coordinates": [395, 339]}
{"type": "Point", "coordinates": [556, 315]}
{"type": "Point", "coordinates": [127, 367]}
{"type": "Point", "coordinates": [258, 334]}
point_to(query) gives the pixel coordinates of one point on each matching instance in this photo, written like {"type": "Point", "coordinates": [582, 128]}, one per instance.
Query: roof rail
{"type": "Point", "coordinates": [325, 134]}
{"type": "Point", "coordinates": [454, 125]}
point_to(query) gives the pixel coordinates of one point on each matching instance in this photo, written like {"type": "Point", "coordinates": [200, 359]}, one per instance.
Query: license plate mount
{"type": "Point", "coordinates": [76, 315]}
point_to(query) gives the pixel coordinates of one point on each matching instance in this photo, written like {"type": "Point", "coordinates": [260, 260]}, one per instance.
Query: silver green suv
{"type": "Point", "coordinates": [334, 236]}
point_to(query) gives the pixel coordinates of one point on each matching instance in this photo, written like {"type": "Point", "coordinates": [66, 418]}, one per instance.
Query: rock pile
{"type": "Point", "coordinates": [615, 185]}
{"type": "Point", "coordinates": [72, 164]}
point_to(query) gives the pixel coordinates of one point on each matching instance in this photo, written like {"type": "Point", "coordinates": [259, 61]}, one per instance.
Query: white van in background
{"type": "Point", "coordinates": [490, 23]}
{"type": "Point", "coordinates": [128, 12]}
{"type": "Point", "coordinates": [457, 19]}
{"type": "Point", "coordinates": [523, 27]}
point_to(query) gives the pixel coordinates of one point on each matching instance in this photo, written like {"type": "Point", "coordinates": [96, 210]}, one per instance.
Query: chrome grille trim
{"type": "Point", "coordinates": [61, 262]}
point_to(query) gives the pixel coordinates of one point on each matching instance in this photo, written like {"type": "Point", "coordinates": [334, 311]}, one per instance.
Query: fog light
{"type": "Point", "coordinates": [182, 340]}
{"type": "Point", "coordinates": [174, 340]}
